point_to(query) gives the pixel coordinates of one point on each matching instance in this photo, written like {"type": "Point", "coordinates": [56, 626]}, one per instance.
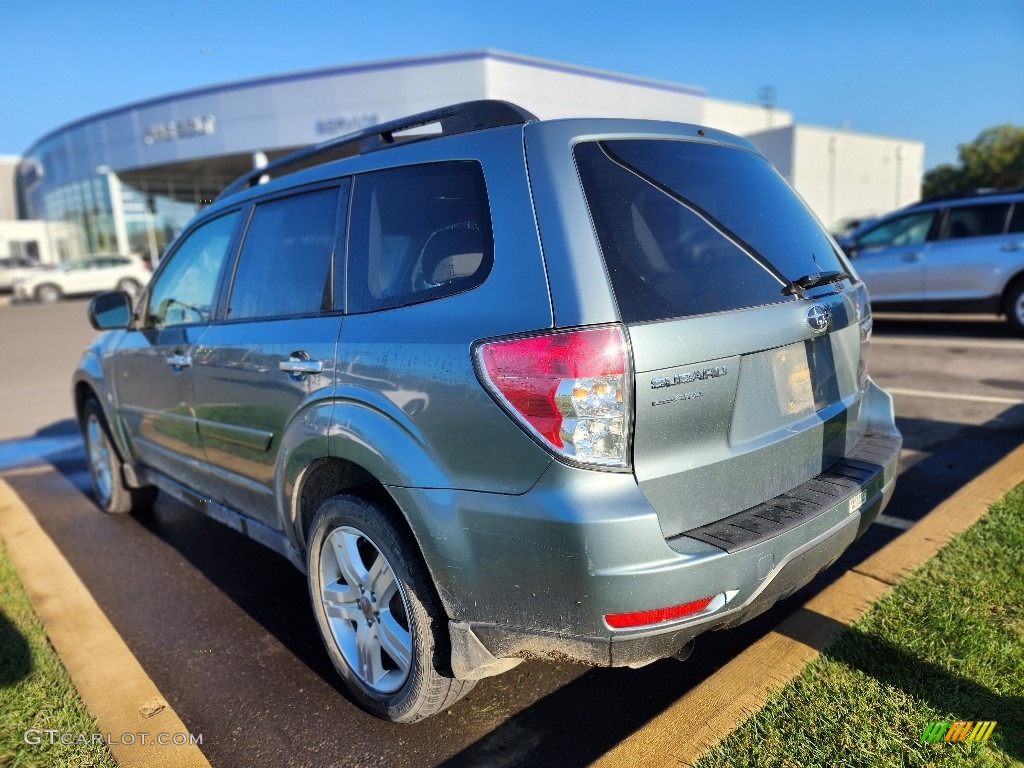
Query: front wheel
{"type": "Point", "coordinates": [1015, 307]}
{"type": "Point", "coordinates": [378, 613]}
{"type": "Point", "coordinates": [108, 484]}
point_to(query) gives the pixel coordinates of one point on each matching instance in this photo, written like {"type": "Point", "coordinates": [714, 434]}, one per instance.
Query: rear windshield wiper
{"type": "Point", "coordinates": [814, 280]}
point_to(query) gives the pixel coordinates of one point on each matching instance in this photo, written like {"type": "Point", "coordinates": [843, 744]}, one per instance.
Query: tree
{"type": "Point", "coordinates": [995, 159]}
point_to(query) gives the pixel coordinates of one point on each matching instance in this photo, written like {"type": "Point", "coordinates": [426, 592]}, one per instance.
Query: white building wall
{"type": "Point", "coordinates": [8, 205]}
{"type": "Point", "coordinates": [841, 174]}
{"type": "Point", "coordinates": [742, 119]}
{"type": "Point", "coordinates": [360, 97]}
{"type": "Point", "coordinates": [552, 92]}
{"type": "Point", "coordinates": [777, 144]}
{"type": "Point", "coordinates": [34, 230]}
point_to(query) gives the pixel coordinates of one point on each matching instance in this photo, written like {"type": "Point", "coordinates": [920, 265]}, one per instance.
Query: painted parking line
{"type": "Point", "coordinates": [114, 686]}
{"type": "Point", "coordinates": [954, 396]}
{"type": "Point", "coordinates": [706, 714]}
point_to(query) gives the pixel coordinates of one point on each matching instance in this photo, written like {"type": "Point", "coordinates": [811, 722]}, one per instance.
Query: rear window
{"type": "Point", "coordinates": [689, 228]}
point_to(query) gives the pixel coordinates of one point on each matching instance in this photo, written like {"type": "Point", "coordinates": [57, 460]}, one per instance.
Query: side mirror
{"type": "Point", "coordinates": [851, 250]}
{"type": "Point", "coordinates": [110, 310]}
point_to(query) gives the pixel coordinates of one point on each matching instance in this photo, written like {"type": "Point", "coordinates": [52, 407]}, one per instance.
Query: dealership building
{"type": "Point", "coordinates": [129, 178]}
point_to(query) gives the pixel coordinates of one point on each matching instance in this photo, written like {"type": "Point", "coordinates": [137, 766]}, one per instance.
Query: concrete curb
{"type": "Point", "coordinates": [706, 714]}
{"type": "Point", "coordinates": [116, 689]}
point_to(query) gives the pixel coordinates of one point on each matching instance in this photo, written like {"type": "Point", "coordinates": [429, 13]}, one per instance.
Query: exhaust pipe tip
{"type": "Point", "coordinates": [684, 653]}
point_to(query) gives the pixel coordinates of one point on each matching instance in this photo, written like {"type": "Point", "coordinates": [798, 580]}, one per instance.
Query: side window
{"type": "Point", "coordinates": [1017, 220]}
{"type": "Point", "coordinates": [975, 221]}
{"type": "Point", "coordinates": [418, 233]}
{"type": "Point", "coordinates": [904, 230]}
{"type": "Point", "coordinates": [285, 264]}
{"type": "Point", "coordinates": [183, 291]}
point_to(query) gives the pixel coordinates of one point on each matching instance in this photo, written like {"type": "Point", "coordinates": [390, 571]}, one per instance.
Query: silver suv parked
{"type": "Point", "coordinates": [575, 389]}
{"type": "Point", "coordinates": [950, 254]}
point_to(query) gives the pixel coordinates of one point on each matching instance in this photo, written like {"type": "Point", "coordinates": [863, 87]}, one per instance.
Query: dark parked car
{"type": "Point", "coordinates": [574, 389]}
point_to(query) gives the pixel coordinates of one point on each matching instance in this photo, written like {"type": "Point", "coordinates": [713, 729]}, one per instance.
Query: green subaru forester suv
{"type": "Point", "coordinates": [511, 389]}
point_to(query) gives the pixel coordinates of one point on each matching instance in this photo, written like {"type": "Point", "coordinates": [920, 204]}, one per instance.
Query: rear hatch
{"type": "Point", "coordinates": [747, 334]}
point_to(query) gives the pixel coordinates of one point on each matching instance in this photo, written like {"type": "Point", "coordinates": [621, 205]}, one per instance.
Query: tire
{"type": "Point", "coordinates": [378, 613]}
{"type": "Point", "coordinates": [48, 293]}
{"type": "Point", "coordinates": [112, 495]}
{"type": "Point", "coordinates": [1014, 307]}
{"type": "Point", "coordinates": [129, 285]}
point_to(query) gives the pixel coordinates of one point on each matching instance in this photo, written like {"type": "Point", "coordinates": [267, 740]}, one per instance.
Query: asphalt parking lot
{"type": "Point", "coordinates": [224, 629]}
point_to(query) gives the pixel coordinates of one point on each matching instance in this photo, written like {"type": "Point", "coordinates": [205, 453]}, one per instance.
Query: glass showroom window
{"type": "Point", "coordinates": [84, 208]}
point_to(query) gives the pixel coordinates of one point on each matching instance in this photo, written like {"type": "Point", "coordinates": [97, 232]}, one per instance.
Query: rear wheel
{"type": "Point", "coordinates": [1015, 307]}
{"type": "Point", "coordinates": [48, 293]}
{"type": "Point", "coordinates": [378, 613]}
{"type": "Point", "coordinates": [108, 485]}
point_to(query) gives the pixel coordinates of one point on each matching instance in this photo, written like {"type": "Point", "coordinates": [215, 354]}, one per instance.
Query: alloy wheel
{"type": "Point", "coordinates": [366, 608]}
{"type": "Point", "coordinates": [99, 459]}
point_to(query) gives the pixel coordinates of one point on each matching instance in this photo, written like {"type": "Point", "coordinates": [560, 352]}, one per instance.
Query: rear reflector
{"type": "Point", "coordinates": [570, 389]}
{"type": "Point", "coordinates": [657, 615]}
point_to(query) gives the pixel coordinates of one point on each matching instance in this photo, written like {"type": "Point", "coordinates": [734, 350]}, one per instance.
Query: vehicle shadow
{"type": "Point", "coordinates": [966, 327]}
{"type": "Point", "coordinates": [15, 654]}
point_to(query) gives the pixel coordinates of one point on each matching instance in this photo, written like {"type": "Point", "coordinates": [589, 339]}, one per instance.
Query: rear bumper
{"type": "Point", "coordinates": [849, 517]}
{"type": "Point", "coordinates": [532, 576]}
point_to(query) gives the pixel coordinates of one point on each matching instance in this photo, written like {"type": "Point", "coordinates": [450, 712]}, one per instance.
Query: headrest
{"type": "Point", "coordinates": [453, 252]}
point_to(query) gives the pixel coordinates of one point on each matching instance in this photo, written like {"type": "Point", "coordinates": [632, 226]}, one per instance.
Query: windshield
{"type": "Point", "coordinates": [690, 228]}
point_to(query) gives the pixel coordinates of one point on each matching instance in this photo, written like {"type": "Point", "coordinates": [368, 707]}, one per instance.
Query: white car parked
{"type": "Point", "coordinates": [14, 268]}
{"type": "Point", "coordinates": [81, 277]}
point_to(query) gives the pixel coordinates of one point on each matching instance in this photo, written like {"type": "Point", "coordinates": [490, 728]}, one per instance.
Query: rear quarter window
{"type": "Point", "coordinates": [418, 233]}
{"type": "Point", "coordinates": [975, 221]}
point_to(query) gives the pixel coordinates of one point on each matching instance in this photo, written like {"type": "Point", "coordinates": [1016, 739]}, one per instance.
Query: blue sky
{"type": "Point", "coordinates": [936, 71]}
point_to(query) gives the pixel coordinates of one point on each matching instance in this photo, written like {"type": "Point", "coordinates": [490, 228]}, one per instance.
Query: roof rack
{"type": "Point", "coordinates": [456, 118]}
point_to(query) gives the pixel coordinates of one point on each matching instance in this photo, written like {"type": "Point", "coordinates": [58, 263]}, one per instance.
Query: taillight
{"type": "Point", "coordinates": [570, 389]}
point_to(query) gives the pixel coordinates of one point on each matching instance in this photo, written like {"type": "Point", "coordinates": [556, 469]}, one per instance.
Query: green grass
{"type": "Point", "coordinates": [35, 690]}
{"type": "Point", "coordinates": [946, 644]}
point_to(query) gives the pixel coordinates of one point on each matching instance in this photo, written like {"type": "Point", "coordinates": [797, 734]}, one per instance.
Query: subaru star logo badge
{"type": "Point", "coordinates": [818, 318]}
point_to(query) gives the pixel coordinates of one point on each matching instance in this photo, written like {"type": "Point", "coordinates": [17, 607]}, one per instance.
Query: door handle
{"type": "Point", "coordinates": [179, 361]}
{"type": "Point", "coordinates": [915, 256]}
{"type": "Point", "coordinates": [1013, 245]}
{"type": "Point", "coordinates": [299, 365]}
